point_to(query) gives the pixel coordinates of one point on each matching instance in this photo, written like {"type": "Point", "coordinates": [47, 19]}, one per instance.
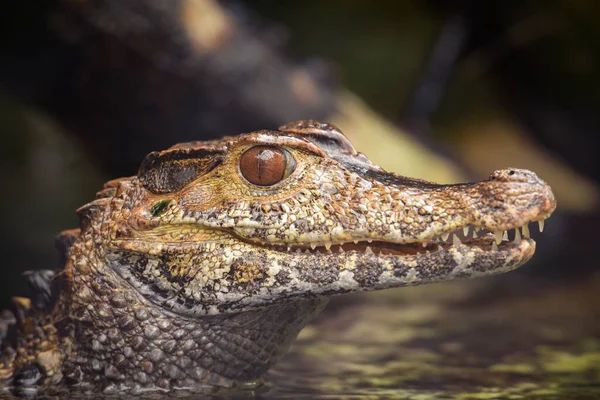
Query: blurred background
{"type": "Point", "coordinates": [446, 91]}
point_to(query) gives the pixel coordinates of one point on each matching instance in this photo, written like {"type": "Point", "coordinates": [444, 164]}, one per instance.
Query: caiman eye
{"type": "Point", "coordinates": [266, 165]}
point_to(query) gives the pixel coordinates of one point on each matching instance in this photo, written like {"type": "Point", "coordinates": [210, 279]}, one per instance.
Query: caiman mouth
{"type": "Point", "coordinates": [468, 236]}
{"type": "Point", "coordinates": [485, 240]}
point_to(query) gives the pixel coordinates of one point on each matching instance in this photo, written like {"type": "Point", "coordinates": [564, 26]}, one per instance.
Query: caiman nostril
{"type": "Point", "coordinates": [516, 175]}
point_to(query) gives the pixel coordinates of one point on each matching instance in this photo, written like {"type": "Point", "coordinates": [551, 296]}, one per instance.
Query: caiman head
{"type": "Point", "coordinates": [208, 228]}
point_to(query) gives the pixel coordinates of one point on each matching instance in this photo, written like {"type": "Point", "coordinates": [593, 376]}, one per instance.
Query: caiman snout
{"type": "Point", "coordinates": [541, 192]}
{"type": "Point", "coordinates": [512, 197]}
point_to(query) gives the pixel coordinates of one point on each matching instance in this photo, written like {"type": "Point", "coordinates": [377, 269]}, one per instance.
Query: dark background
{"type": "Point", "coordinates": [88, 88]}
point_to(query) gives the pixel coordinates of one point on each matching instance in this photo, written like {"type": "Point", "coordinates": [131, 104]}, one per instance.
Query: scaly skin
{"type": "Point", "coordinates": [188, 276]}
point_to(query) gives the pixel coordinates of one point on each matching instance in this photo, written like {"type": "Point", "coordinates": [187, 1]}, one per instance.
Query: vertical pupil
{"type": "Point", "coordinates": [262, 163]}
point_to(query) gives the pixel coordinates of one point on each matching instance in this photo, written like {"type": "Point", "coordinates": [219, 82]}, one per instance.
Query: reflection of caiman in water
{"type": "Point", "coordinates": [200, 271]}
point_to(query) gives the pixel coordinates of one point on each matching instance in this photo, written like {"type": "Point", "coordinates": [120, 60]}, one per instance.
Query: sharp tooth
{"type": "Point", "coordinates": [455, 240]}
{"type": "Point", "coordinates": [298, 250]}
{"type": "Point", "coordinates": [328, 245]}
{"type": "Point", "coordinates": [494, 246]}
{"type": "Point", "coordinates": [341, 249]}
{"type": "Point", "coordinates": [505, 235]}
{"type": "Point", "coordinates": [307, 251]}
{"type": "Point", "coordinates": [525, 231]}
{"type": "Point", "coordinates": [517, 236]}
{"type": "Point", "coordinates": [427, 252]}
{"type": "Point", "coordinates": [355, 241]}
{"type": "Point", "coordinates": [440, 248]}
{"type": "Point", "coordinates": [368, 250]}
{"type": "Point", "coordinates": [466, 231]}
{"type": "Point", "coordinates": [370, 240]}
{"type": "Point", "coordinates": [474, 234]}
{"type": "Point", "coordinates": [445, 236]}
{"type": "Point", "coordinates": [498, 237]}
{"type": "Point", "coordinates": [289, 248]}
{"type": "Point", "coordinates": [541, 224]}
{"type": "Point", "coordinates": [313, 245]}
{"type": "Point", "coordinates": [424, 244]}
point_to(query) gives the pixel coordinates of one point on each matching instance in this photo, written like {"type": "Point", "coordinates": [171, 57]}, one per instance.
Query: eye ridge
{"type": "Point", "coordinates": [266, 165]}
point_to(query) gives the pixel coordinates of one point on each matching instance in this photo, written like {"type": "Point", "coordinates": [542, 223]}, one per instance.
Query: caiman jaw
{"type": "Point", "coordinates": [488, 222]}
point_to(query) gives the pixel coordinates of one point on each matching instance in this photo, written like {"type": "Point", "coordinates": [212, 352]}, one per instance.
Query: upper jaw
{"type": "Point", "coordinates": [425, 214]}
{"type": "Point", "coordinates": [418, 215]}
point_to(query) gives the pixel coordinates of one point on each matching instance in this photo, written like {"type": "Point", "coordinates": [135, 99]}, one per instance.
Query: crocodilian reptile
{"type": "Point", "coordinates": [200, 271]}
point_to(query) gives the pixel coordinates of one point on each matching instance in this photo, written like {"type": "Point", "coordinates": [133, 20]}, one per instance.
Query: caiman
{"type": "Point", "coordinates": [197, 273]}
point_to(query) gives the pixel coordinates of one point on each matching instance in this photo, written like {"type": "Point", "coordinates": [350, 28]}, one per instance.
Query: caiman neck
{"type": "Point", "coordinates": [136, 345]}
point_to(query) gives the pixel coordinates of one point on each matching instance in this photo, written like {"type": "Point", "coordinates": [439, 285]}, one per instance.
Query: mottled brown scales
{"type": "Point", "coordinates": [199, 272]}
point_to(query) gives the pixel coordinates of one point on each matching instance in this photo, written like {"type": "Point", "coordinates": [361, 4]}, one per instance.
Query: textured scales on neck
{"type": "Point", "coordinates": [201, 270]}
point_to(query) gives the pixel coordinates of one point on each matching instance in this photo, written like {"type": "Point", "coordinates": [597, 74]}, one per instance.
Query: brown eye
{"type": "Point", "coordinates": [266, 165]}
